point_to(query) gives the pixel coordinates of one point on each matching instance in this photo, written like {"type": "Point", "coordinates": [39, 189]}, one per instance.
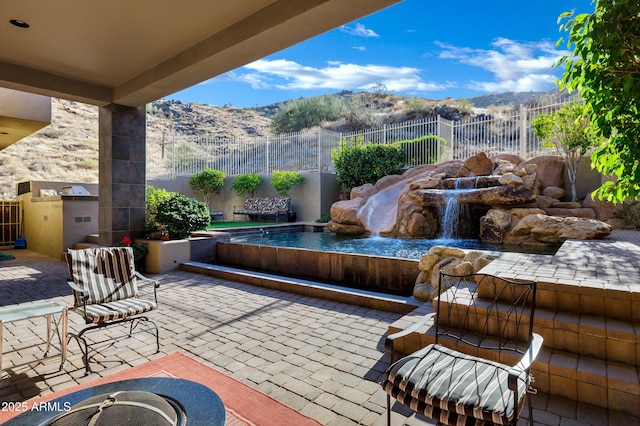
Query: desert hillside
{"type": "Point", "coordinates": [67, 149]}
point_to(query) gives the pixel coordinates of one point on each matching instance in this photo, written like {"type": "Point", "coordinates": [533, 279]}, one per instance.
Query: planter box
{"type": "Point", "coordinates": [166, 256]}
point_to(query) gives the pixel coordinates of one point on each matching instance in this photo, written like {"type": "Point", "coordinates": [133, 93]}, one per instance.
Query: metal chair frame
{"type": "Point", "coordinates": [133, 320]}
{"type": "Point", "coordinates": [483, 312]}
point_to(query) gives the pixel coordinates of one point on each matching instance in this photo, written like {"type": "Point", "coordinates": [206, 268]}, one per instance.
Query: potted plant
{"type": "Point", "coordinates": [284, 181]}
{"type": "Point", "coordinates": [171, 218]}
{"type": "Point", "coordinates": [247, 184]}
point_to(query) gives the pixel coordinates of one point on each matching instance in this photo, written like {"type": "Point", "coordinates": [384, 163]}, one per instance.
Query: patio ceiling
{"type": "Point", "coordinates": [134, 52]}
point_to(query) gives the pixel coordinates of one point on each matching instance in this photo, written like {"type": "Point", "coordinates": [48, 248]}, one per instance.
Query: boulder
{"type": "Point", "coordinates": [604, 210]}
{"type": "Point", "coordinates": [449, 169]}
{"type": "Point", "coordinates": [566, 205]}
{"type": "Point", "coordinates": [340, 228]}
{"type": "Point", "coordinates": [426, 183]}
{"type": "Point", "coordinates": [494, 225]}
{"type": "Point", "coordinates": [444, 251]}
{"type": "Point", "coordinates": [477, 165]}
{"type": "Point", "coordinates": [544, 201]}
{"type": "Point", "coordinates": [418, 170]}
{"type": "Point", "coordinates": [428, 261]}
{"type": "Point", "coordinates": [511, 158]}
{"type": "Point", "coordinates": [499, 195]}
{"type": "Point", "coordinates": [412, 221]}
{"type": "Point", "coordinates": [346, 212]}
{"type": "Point", "coordinates": [550, 170]}
{"type": "Point", "coordinates": [447, 265]}
{"type": "Point", "coordinates": [423, 290]}
{"type": "Point", "coordinates": [554, 192]}
{"type": "Point", "coordinates": [386, 181]}
{"type": "Point", "coordinates": [364, 191]}
{"type": "Point", "coordinates": [520, 213]}
{"type": "Point", "coordinates": [447, 259]}
{"type": "Point", "coordinates": [511, 179]}
{"type": "Point", "coordinates": [550, 229]}
{"type": "Point", "coordinates": [504, 167]}
{"type": "Point", "coordinates": [586, 213]}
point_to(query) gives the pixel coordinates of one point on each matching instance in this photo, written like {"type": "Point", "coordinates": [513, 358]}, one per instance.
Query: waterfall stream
{"type": "Point", "coordinates": [454, 214]}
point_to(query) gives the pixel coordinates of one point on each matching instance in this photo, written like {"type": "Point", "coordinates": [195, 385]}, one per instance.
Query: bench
{"type": "Point", "coordinates": [216, 215]}
{"type": "Point", "coordinates": [264, 206]}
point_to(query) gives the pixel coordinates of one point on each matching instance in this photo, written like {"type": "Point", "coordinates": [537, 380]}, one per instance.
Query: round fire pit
{"type": "Point", "coordinates": [163, 401]}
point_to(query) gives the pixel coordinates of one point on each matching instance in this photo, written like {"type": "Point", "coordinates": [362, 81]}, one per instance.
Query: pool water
{"type": "Point", "coordinates": [373, 245]}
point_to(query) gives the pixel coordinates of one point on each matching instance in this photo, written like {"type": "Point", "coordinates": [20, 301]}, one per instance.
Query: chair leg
{"type": "Point", "coordinates": [388, 410]}
{"type": "Point", "coordinates": [146, 319]}
{"type": "Point", "coordinates": [84, 348]}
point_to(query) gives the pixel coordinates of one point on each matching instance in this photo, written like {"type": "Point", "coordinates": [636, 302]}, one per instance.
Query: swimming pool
{"type": "Point", "coordinates": [373, 245]}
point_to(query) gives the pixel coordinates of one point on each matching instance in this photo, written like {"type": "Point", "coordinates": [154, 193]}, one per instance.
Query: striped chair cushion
{"type": "Point", "coordinates": [120, 309]}
{"type": "Point", "coordinates": [445, 384]}
{"type": "Point", "coordinates": [107, 273]}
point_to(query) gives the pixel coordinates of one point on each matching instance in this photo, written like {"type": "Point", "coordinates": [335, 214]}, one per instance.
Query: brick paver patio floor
{"type": "Point", "coordinates": [324, 359]}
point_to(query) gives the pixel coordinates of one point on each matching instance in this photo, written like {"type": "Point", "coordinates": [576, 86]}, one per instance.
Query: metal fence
{"type": "Point", "coordinates": [423, 141]}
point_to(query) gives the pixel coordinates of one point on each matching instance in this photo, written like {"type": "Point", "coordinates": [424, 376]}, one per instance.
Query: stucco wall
{"type": "Point", "coordinates": [310, 200]}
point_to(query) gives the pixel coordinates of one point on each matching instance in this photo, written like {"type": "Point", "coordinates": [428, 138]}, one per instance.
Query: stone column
{"type": "Point", "coordinates": [121, 205]}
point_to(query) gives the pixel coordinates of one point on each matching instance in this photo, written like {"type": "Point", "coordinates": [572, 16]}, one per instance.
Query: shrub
{"type": "Point", "coordinates": [422, 150]}
{"type": "Point", "coordinates": [360, 164]}
{"type": "Point", "coordinates": [247, 184]}
{"type": "Point", "coordinates": [325, 218]}
{"type": "Point", "coordinates": [180, 216]}
{"type": "Point", "coordinates": [303, 113]}
{"type": "Point", "coordinates": [207, 182]}
{"type": "Point", "coordinates": [284, 181]}
{"type": "Point", "coordinates": [154, 197]}
{"type": "Point", "coordinates": [630, 211]}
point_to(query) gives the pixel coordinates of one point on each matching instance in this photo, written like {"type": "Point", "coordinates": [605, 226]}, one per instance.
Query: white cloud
{"type": "Point", "coordinates": [515, 66]}
{"type": "Point", "coordinates": [359, 30]}
{"type": "Point", "coordinates": [289, 75]}
{"type": "Point", "coordinates": [360, 48]}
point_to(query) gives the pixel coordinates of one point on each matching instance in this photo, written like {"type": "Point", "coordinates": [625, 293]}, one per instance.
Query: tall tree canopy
{"type": "Point", "coordinates": [605, 68]}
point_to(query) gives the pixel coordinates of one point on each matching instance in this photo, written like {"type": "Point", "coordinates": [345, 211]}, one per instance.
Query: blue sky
{"type": "Point", "coordinates": [423, 48]}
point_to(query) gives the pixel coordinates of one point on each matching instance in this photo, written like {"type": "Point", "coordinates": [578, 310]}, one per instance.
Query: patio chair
{"type": "Point", "coordinates": [477, 370]}
{"type": "Point", "coordinates": [105, 288]}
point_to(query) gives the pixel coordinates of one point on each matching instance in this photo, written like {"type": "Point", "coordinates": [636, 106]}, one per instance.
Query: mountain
{"type": "Point", "coordinates": [67, 149]}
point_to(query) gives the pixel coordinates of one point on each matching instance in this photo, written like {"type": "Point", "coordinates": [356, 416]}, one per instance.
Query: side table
{"type": "Point", "coordinates": [41, 308]}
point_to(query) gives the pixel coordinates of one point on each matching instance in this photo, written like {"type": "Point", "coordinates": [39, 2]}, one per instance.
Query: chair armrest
{"type": "Point", "coordinates": [389, 341]}
{"type": "Point", "coordinates": [82, 291]}
{"type": "Point", "coordinates": [525, 362]}
{"type": "Point", "coordinates": [141, 277]}
{"type": "Point", "coordinates": [156, 284]}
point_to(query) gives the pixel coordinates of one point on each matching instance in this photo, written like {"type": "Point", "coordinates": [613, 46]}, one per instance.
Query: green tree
{"type": "Point", "coordinates": [569, 131]}
{"type": "Point", "coordinates": [208, 181]}
{"type": "Point", "coordinates": [604, 66]}
{"type": "Point", "coordinates": [247, 184]}
{"type": "Point", "coordinates": [283, 181]}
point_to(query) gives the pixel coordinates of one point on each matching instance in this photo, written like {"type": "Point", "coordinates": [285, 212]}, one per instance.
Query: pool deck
{"type": "Point", "coordinates": [321, 357]}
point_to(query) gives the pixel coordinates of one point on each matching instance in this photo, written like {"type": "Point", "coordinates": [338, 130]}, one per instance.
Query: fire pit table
{"type": "Point", "coordinates": [129, 402]}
